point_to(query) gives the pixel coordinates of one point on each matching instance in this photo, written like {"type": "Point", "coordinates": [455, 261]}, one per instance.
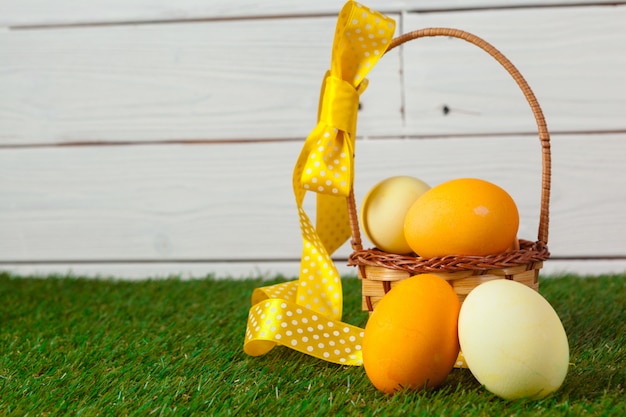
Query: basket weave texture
{"type": "Point", "coordinates": [380, 271]}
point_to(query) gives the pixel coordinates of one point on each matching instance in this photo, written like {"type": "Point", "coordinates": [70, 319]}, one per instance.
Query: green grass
{"type": "Point", "coordinates": [71, 346]}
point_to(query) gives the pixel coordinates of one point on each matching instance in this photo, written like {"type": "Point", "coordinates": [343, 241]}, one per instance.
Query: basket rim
{"type": "Point", "coordinates": [529, 252]}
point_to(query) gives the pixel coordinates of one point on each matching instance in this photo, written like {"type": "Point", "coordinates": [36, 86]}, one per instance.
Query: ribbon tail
{"type": "Point", "coordinates": [280, 322]}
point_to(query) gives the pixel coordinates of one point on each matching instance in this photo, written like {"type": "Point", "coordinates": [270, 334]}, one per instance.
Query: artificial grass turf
{"type": "Point", "coordinates": [71, 346]}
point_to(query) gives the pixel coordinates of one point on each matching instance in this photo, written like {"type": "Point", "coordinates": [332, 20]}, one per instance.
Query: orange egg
{"type": "Point", "coordinates": [411, 339]}
{"type": "Point", "coordinates": [465, 216]}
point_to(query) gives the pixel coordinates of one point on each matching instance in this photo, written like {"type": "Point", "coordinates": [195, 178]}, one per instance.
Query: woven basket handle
{"type": "Point", "coordinates": [544, 136]}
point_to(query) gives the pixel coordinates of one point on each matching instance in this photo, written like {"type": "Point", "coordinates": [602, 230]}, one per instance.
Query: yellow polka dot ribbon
{"type": "Point", "coordinates": [305, 314]}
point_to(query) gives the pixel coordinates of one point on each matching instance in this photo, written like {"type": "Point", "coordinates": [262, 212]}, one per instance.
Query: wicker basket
{"type": "Point", "coordinates": [380, 271]}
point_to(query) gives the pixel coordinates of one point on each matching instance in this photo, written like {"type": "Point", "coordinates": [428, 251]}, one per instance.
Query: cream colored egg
{"type": "Point", "coordinates": [513, 341]}
{"type": "Point", "coordinates": [384, 208]}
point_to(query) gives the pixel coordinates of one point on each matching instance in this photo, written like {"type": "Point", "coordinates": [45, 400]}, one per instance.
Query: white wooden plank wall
{"type": "Point", "coordinates": [150, 138]}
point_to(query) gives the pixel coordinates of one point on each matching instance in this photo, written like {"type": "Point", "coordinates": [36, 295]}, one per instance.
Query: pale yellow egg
{"type": "Point", "coordinates": [513, 340]}
{"type": "Point", "coordinates": [384, 208]}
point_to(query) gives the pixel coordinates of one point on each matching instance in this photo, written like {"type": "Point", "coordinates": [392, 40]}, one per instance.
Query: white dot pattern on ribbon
{"type": "Point", "coordinates": [289, 324]}
{"type": "Point", "coordinates": [460, 361]}
{"type": "Point", "coordinates": [284, 290]}
{"type": "Point", "coordinates": [329, 165]}
{"type": "Point", "coordinates": [320, 284]}
{"type": "Point", "coordinates": [317, 245]}
{"type": "Point", "coordinates": [367, 33]}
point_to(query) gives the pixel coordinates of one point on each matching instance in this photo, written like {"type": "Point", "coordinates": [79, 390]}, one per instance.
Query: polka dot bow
{"type": "Point", "coordinates": [305, 314]}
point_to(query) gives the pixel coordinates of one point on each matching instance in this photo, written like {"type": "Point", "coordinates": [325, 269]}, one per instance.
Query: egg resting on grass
{"type": "Point", "coordinates": [383, 210]}
{"type": "Point", "coordinates": [411, 340]}
{"type": "Point", "coordinates": [513, 341]}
